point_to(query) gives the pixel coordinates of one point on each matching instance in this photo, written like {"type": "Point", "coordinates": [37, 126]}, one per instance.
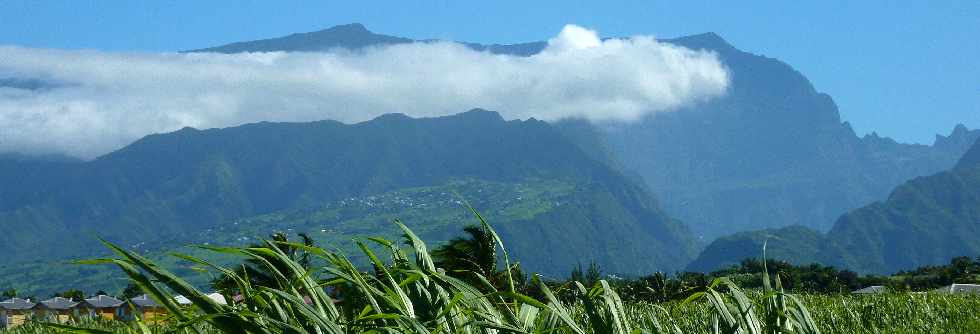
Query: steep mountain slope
{"type": "Point", "coordinates": [164, 190]}
{"type": "Point", "coordinates": [796, 244]}
{"type": "Point", "coordinates": [925, 221]}
{"type": "Point", "coordinates": [773, 152]}
{"type": "Point", "coordinates": [971, 158]}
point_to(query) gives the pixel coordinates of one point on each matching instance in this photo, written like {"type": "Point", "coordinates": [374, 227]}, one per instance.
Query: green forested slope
{"type": "Point", "coordinates": [165, 190]}
{"type": "Point", "coordinates": [925, 221]}
{"type": "Point", "coordinates": [772, 152]}
{"type": "Point", "coordinates": [796, 244]}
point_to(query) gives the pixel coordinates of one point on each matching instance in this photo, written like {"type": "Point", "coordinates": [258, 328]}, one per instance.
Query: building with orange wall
{"type": "Point", "coordinates": [106, 307]}
{"type": "Point", "coordinates": [15, 312]}
{"type": "Point", "coordinates": [57, 309]}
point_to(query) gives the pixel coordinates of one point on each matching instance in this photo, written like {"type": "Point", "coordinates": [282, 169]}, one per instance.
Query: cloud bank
{"type": "Point", "coordinates": [96, 102]}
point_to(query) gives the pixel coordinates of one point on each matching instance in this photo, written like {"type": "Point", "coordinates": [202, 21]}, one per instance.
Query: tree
{"type": "Point", "coordinates": [593, 275]}
{"type": "Point", "coordinates": [10, 293]}
{"type": "Point", "coordinates": [960, 268]}
{"type": "Point", "coordinates": [73, 294]}
{"type": "Point", "coordinates": [577, 275]}
{"type": "Point", "coordinates": [132, 290]}
{"type": "Point", "coordinates": [588, 277]}
{"type": "Point", "coordinates": [462, 257]}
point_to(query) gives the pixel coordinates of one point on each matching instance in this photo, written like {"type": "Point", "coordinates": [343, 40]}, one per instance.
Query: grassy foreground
{"type": "Point", "coordinates": [901, 312]}
{"type": "Point", "coordinates": [406, 293]}
{"type": "Point", "coordinates": [889, 313]}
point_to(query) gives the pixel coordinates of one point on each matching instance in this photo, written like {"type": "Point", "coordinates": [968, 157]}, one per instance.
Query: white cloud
{"type": "Point", "coordinates": [107, 100]}
{"type": "Point", "coordinates": [573, 37]}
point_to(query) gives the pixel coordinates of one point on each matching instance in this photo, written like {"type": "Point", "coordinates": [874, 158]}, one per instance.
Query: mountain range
{"type": "Point", "coordinates": [555, 204]}
{"type": "Point", "coordinates": [772, 153]}
{"type": "Point", "coordinates": [925, 221]}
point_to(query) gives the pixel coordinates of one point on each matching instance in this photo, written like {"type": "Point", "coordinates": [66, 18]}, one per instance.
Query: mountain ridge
{"type": "Point", "coordinates": [718, 165]}
{"type": "Point", "coordinates": [924, 221]}
{"type": "Point", "coordinates": [164, 188]}
{"type": "Point", "coordinates": [971, 158]}
{"type": "Point", "coordinates": [772, 152]}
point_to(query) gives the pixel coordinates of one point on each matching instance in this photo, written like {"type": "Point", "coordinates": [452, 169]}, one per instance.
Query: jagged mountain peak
{"type": "Point", "coordinates": [971, 158]}
{"type": "Point", "coordinates": [959, 140]}
{"type": "Point", "coordinates": [708, 40]}
{"type": "Point", "coordinates": [960, 131]}
{"type": "Point", "coordinates": [960, 128]}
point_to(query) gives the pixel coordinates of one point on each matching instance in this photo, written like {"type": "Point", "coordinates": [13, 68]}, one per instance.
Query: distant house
{"type": "Point", "coordinates": [183, 301]}
{"type": "Point", "coordinates": [102, 306]}
{"type": "Point", "coordinates": [218, 298]}
{"type": "Point", "coordinates": [214, 296]}
{"type": "Point", "coordinates": [147, 308]}
{"type": "Point", "coordinates": [960, 289]}
{"type": "Point", "coordinates": [15, 311]}
{"type": "Point", "coordinates": [874, 289]}
{"type": "Point", "coordinates": [57, 309]}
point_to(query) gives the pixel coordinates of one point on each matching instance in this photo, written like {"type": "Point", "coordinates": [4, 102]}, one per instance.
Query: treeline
{"type": "Point", "coordinates": [816, 278]}
{"type": "Point", "coordinates": [812, 278]}
{"type": "Point", "coordinates": [959, 270]}
{"type": "Point", "coordinates": [477, 253]}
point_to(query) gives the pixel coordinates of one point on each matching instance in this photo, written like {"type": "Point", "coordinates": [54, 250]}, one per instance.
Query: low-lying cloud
{"type": "Point", "coordinates": [100, 101]}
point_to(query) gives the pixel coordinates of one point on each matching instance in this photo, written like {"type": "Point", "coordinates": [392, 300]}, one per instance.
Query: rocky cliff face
{"type": "Point", "coordinates": [772, 152]}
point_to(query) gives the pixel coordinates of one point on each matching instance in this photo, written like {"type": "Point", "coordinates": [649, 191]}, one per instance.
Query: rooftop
{"type": "Point", "coordinates": [103, 301]}
{"type": "Point", "coordinates": [144, 300]}
{"type": "Point", "coordinates": [58, 303]}
{"type": "Point", "coordinates": [214, 296]}
{"type": "Point", "coordinates": [871, 289]}
{"type": "Point", "coordinates": [16, 304]}
{"type": "Point", "coordinates": [960, 288]}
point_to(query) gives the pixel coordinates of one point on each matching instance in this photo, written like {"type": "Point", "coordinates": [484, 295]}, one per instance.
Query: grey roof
{"type": "Point", "coordinates": [965, 288]}
{"type": "Point", "coordinates": [180, 299]}
{"type": "Point", "coordinates": [57, 303]}
{"type": "Point", "coordinates": [217, 298]}
{"type": "Point", "coordinates": [144, 301]}
{"type": "Point", "coordinates": [16, 304]}
{"type": "Point", "coordinates": [102, 301]}
{"type": "Point", "coordinates": [871, 289]}
{"type": "Point", "coordinates": [960, 288]}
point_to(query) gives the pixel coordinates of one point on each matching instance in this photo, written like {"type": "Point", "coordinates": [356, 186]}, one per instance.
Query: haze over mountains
{"type": "Point", "coordinates": [769, 152]}
{"type": "Point", "coordinates": [925, 221]}
{"type": "Point", "coordinates": [166, 190]}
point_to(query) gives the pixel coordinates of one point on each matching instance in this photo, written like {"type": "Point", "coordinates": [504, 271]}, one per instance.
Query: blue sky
{"type": "Point", "coordinates": [907, 70]}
